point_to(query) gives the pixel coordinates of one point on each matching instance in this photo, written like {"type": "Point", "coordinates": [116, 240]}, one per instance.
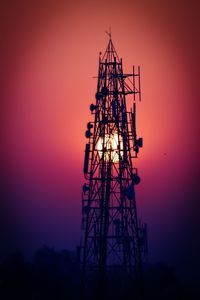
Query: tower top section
{"type": "Point", "coordinates": [110, 54]}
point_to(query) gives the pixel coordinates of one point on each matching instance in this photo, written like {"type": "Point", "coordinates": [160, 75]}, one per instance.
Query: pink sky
{"type": "Point", "coordinates": [50, 58]}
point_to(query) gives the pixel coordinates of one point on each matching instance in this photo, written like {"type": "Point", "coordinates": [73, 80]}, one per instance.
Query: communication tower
{"type": "Point", "coordinates": [114, 241]}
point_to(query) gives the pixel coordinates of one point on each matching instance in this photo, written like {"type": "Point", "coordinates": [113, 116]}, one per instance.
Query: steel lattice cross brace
{"type": "Point", "coordinates": [113, 241]}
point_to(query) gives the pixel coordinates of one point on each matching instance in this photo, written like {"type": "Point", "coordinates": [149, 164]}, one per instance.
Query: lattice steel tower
{"type": "Point", "coordinates": [114, 242]}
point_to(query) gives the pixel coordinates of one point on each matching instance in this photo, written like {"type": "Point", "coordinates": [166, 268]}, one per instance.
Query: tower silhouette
{"type": "Point", "coordinates": [114, 242]}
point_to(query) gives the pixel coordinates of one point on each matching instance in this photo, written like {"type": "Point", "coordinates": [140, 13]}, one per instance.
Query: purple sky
{"type": "Point", "coordinates": [50, 54]}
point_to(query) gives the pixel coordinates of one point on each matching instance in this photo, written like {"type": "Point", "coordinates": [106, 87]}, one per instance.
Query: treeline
{"type": "Point", "coordinates": [55, 275]}
{"type": "Point", "coordinates": [51, 275]}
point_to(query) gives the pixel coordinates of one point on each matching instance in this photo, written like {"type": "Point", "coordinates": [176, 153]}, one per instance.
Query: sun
{"type": "Point", "coordinates": [112, 147]}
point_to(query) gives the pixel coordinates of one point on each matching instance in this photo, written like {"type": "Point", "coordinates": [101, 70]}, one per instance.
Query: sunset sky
{"type": "Point", "coordinates": [49, 58]}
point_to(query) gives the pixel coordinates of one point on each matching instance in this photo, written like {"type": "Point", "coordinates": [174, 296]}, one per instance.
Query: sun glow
{"type": "Point", "coordinates": [111, 142]}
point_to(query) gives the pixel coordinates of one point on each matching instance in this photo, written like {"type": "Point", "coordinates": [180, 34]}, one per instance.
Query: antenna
{"type": "Point", "coordinates": [109, 33]}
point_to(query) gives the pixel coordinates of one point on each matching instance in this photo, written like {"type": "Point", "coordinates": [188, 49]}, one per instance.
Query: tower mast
{"type": "Point", "coordinates": [113, 239]}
